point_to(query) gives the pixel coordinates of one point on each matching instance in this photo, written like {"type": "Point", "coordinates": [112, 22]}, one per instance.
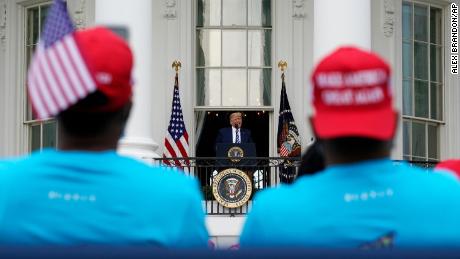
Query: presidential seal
{"type": "Point", "coordinates": [232, 188]}
{"type": "Point", "coordinates": [235, 154]}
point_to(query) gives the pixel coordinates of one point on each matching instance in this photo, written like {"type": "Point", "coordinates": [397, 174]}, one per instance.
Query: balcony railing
{"type": "Point", "coordinates": [264, 172]}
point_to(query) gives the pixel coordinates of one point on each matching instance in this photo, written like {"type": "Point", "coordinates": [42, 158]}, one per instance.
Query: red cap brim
{"type": "Point", "coordinates": [376, 124]}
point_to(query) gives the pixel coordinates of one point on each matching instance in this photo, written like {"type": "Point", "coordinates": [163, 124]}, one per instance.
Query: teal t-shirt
{"type": "Point", "coordinates": [69, 198]}
{"type": "Point", "coordinates": [373, 204]}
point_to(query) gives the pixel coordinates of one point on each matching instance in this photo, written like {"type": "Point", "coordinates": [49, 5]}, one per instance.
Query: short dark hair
{"type": "Point", "coordinates": [355, 146]}
{"type": "Point", "coordinates": [80, 121]}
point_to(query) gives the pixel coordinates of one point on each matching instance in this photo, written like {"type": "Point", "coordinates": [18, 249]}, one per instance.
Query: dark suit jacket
{"type": "Point", "coordinates": [225, 136]}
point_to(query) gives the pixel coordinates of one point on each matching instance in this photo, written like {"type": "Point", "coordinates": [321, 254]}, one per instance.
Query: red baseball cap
{"type": "Point", "coordinates": [77, 65]}
{"type": "Point", "coordinates": [110, 61]}
{"type": "Point", "coordinates": [352, 96]}
{"type": "Point", "coordinates": [451, 165]}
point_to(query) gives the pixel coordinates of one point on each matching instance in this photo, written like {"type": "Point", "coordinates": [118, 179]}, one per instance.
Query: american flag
{"type": "Point", "coordinates": [58, 76]}
{"type": "Point", "coordinates": [176, 140]}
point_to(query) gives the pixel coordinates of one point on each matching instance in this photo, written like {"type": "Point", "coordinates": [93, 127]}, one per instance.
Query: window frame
{"type": "Point", "coordinates": [412, 118]}
{"type": "Point", "coordinates": [27, 119]}
{"type": "Point", "coordinates": [247, 68]}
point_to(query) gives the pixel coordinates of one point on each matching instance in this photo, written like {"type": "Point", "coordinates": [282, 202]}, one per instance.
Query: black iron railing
{"type": "Point", "coordinates": [264, 172]}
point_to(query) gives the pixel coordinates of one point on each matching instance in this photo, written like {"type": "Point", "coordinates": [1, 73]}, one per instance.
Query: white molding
{"type": "Point", "coordinates": [3, 23]}
{"type": "Point", "coordinates": [82, 12]}
{"type": "Point", "coordinates": [388, 18]}
{"type": "Point", "coordinates": [292, 42]}
{"type": "Point", "coordinates": [14, 131]}
{"type": "Point", "coordinates": [177, 43]}
{"type": "Point", "coordinates": [185, 50]}
{"type": "Point", "coordinates": [170, 9]}
{"type": "Point", "coordinates": [298, 9]}
{"type": "Point", "coordinates": [449, 132]}
{"type": "Point", "coordinates": [298, 70]}
{"type": "Point", "coordinates": [308, 66]}
{"type": "Point", "coordinates": [79, 15]}
{"type": "Point", "coordinates": [389, 46]}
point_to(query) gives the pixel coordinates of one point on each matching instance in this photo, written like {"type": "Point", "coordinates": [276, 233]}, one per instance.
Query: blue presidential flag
{"type": "Point", "coordinates": [288, 136]}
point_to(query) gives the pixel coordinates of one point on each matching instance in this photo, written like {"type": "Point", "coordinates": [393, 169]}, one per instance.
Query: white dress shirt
{"type": "Point", "coordinates": [234, 134]}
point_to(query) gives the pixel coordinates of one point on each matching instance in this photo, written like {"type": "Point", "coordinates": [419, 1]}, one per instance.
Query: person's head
{"type": "Point", "coordinates": [354, 118]}
{"type": "Point", "coordinates": [236, 119]}
{"type": "Point", "coordinates": [96, 117]}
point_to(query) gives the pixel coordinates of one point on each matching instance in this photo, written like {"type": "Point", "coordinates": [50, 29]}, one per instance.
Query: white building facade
{"type": "Point", "coordinates": [229, 50]}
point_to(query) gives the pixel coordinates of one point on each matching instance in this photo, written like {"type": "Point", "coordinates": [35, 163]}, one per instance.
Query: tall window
{"type": "Point", "coordinates": [42, 133]}
{"type": "Point", "coordinates": [233, 53]}
{"type": "Point", "coordinates": [422, 49]}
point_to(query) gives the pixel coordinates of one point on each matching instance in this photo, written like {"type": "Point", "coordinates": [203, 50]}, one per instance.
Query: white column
{"type": "Point", "coordinates": [136, 15]}
{"type": "Point", "coordinates": [340, 22]}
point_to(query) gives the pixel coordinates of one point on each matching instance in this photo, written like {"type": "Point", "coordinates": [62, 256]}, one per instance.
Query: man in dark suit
{"type": "Point", "coordinates": [234, 134]}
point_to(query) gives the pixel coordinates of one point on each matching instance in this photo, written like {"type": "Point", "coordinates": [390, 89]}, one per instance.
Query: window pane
{"type": "Point", "coordinates": [421, 99]}
{"type": "Point", "coordinates": [43, 13]}
{"type": "Point", "coordinates": [407, 21]}
{"type": "Point", "coordinates": [407, 97]}
{"type": "Point", "coordinates": [418, 139]}
{"type": "Point", "coordinates": [421, 23]}
{"type": "Point", "coordinates": [35, 137]}
{"type": "Point", "coordinates": [435, 63]}
{"type": "Point", "coordinates": [435, 25]}
{"type": "Point", "coordinates": [49, 134]}
{"type": "Point", "coordinates": [208, 87]}
{"type": "Point", "coordinates": [435, 101]}
{"type": "Point", "coordinates": [234, 12]}
{"type": "Point", "coordinates": [234, 48]}
{"type": "Point", "coordinates": [433, 142]}
{"type": "Point", "coordinates": [406, 137]}
{"type": "Point", "coordinates": [208, 48]}
{"type": "Point", "coordinates": [259, 87]}
{"type": "Point", "coordinates": [407, 60]}
{"type": "Point", "coordinates": [234, 87]}
{"type": "Point", "coordinates": [259, 45]}
{"type": "Point", "coordinates": [208, 13]}
{"type": "Point", "coordinates": [421, 60]}
{"type": "Point", "coordinates": [259, 12]}
{"type": "Point", "coordinates": [32, 26]}
{"type": "Point", "coordinates": [29, 54]}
